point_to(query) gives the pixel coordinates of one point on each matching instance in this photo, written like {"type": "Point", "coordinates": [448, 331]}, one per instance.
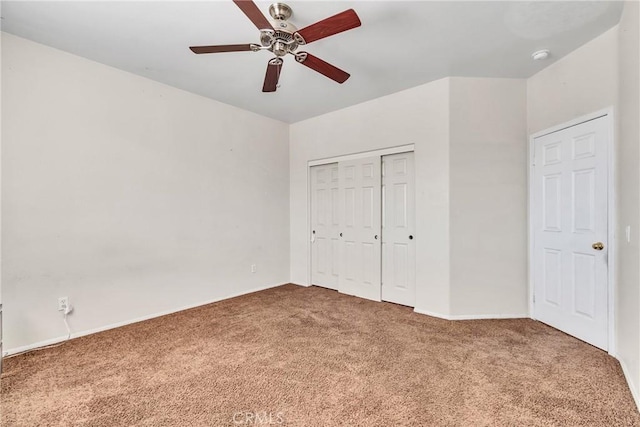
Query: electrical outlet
{"type": "Point", "coordinates": [253, 268]}
{"type": "Point", "coordinates": [63, 304]}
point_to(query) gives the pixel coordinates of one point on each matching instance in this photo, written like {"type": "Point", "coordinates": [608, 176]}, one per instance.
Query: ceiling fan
{"type": "Point", "coordinates": [281, 38]}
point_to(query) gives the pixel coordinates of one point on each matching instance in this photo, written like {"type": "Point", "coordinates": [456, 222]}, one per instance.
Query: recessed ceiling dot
{"type": "Point", "coordinates": [540, 55]}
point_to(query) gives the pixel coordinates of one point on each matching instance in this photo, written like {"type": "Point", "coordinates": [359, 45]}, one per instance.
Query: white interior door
{"type": "Point", "coordinates": [570, 226]}
{"type": "Point", "coordinates": [325, 243]}
{"type": "Point", "coordinates": [360, 208]}
{"type": "Point", "coordinates": [398, 225]}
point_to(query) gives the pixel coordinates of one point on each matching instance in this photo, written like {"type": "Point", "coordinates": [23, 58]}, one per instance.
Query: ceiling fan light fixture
{"type": "Point", "coordinates": [280, 48]}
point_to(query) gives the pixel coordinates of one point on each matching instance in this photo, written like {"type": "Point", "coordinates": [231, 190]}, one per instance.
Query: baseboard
{"type": "Point", "coordinates": [627, 377]}
{"type": "Point", "coordinates": [488, 316]}
{"type": "Point", "coordinates": [470, 316]}
{"type": "Point", "coordinates": [34, 346]}
{"type": "Point", "coordinates": [430, 313]}
{"type": "Point", "coordinates": [300, 284]}
{"type": "Point", "coordinates": [63, 338]}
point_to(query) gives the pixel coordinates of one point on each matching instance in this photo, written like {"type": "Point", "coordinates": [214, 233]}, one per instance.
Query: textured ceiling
{"type": "Point", "coordinates": [399, 45]}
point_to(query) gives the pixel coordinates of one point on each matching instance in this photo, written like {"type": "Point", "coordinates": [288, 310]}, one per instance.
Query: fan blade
{"type": "Point", "coordinates": [272, 76]}
{"type": "Point", "coordinates": [221, 48]}
{"type": "Point", "coordinates": [253, 13]}
{"type": "Point", "coordinates": [335, 24]}
{"type": "Point", "coordinates": [317, 64]}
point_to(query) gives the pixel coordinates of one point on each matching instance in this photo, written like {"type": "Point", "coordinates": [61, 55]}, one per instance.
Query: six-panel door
{"type": "Point", "coordinates": [570, 231]}
{"type": "Point", "coordinates": [325, 221]}
{"type": "Point", "coordinates": [398, 229]}
{"type": "Point", "coordinates": [360, 226]}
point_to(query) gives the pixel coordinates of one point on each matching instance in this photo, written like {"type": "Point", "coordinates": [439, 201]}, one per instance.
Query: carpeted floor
{"type": "Point", "coordinates": [313, 357]}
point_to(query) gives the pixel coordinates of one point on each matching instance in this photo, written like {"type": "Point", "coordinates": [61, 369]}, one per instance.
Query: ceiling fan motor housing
{"type": "Point", "coordinates": [280, 40]}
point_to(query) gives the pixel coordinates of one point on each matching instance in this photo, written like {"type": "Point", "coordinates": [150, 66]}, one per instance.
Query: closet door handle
{"type": "Point", "coordinates": [340, 234]}
{"type": "Point", "coordinates": [411, 237]}
{"type": "Point", "coordinates": [375, 237]}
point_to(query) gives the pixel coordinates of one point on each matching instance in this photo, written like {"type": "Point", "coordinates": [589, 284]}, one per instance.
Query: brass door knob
{"type": "Point", "coordinates": [598, 246]}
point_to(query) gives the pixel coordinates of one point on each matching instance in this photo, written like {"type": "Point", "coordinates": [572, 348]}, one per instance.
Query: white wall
{"type": "Point", "coordinates": [417, 116]}
{"type": "Point", "coordinates": [456, 275]}
{"type": "Point", "coordinates": [488, 196]}
{"type": "Point", "coordinates": [628, 197]}
{"type": "Point", "coordinates": [580, 83]}
{"type": "Point", "coordinates": [129, 196]}
{"type": "Point", "coordinates": [2, 346]}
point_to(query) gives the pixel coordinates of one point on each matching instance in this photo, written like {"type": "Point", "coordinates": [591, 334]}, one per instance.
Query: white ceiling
{"type": "Point", "coordinates": [399, 45]}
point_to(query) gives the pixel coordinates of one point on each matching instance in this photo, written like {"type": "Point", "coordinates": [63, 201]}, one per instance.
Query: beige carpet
{"type": "Point", "coordinates": [313, 357]}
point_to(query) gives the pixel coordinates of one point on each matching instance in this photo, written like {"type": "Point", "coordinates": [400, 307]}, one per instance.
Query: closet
{"type": "Point", "coordinates": [363, 227]}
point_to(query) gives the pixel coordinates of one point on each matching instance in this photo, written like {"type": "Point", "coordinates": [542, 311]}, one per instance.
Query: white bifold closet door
{"type": "Point", "coordinates": [398, 228]}
{"type": "Point", "coordinates": [325, 221]}
{"type": "Point", "coordinates": [360, 227]}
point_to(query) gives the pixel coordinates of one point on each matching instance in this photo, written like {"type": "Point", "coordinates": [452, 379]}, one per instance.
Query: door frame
{"type": "Point", "coordinates": [611, 215]}
{"type": "Point", "coordinates": [327, 160]}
